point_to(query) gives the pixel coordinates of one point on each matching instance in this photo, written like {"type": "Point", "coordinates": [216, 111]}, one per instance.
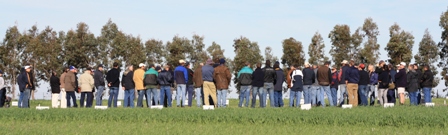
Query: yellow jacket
{"type": "Point", "coordinates": [138, 79]}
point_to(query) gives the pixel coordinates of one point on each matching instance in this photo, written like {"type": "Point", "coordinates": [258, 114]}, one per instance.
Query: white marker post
{"type": "Point", "coordinates": [305, 107]}
{"type": "Point", "coordinates": [387, 105]}
{"type": "Point", "coordinates": [101, 107]}
{"type": "Point", "coordinates": [42, 107]}
{"type": "Point", "coordinates": [14, 103]}
{"type": "Point", "coordinates": [208, 107]}
{"type": "Point", "coordinates": [347, 106]}
{"type": "Point", "coordinates": [429, 104]}
{"type": "Point", "coordinates": [157, 107]}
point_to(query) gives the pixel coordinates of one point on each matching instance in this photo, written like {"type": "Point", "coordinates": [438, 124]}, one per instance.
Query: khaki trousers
{"type": "Point", "coordinates": [54, 100]}
{"type": "Point", "coordinates": [209, 89]}
{"type": "Point", "coordinates": [352, 90]}
{"type": "Point", "coordinates": [63, 98]}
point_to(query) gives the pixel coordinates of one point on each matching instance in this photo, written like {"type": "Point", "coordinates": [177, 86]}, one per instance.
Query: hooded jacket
{"type": "Point", "coordinates": [197, 77]}
{"type": "Point", "coordinates": [278, 83]}
{"type": "Point", "coordinates": [258, 78]}
{"type": "Point", "coordinates": [127, 80]}
{"type": "Point", "coordinates": [297, 82]}
{"type": "Point", "coordinates": [427, 79]}
{"type": "Point", "coordinates": [222, 77]}
{"type": "Point", "coordinates": [269, 74]}
{"type": "Point", "coordinates": [245, 76]}
{"type": "Point", "coordinates": [412, 81]}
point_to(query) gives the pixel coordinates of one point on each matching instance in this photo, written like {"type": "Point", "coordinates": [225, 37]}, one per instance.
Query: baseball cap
{"type": "Point", "coordinates": [141, 65]}
{"type": "Point", "coordinates": [344, 62]}
{"type": "Point", "coordinates": [403, 63]}
{"type": "Point", "coordinates": [362, 65]}
{"type": "Point", "coordinates": [71, 67]}
{"type": "Point", "coordinates": [181, 61]}
{"type": "Point", "coordinates": [307, 63]}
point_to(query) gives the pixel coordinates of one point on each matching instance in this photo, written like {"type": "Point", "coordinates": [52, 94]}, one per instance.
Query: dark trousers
{"type": "Point", "coordinates": [419, 96]}
{"type": "Point", "coordinates": [190, 90]}
{"type": "Point", "coordinates": [71, 94]}
{"type": "Point", "coordinates": [2, 97]}
{"type": "Point", "coordinates": [89, 99]}
{"type": "Point", "coordinates": [391, 96]}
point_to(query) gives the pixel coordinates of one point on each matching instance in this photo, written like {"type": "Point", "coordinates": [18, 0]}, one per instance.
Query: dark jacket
{"type": "Point", "coordinates": [269, 74]}
{"type": "Point", "coordinates": [400, 78]}
{"type": "Point", "coordinates": [324, 75]}
{"type": "Point", "coordinates": [55, 84]}
{"type": "Point", "coordinates": [383, 80]}
{"type": "Point", "coordinates": [181, 75]}
{"type": "Point", "coordinates": [278, 83]}
{"type": "Point", "coordinates": [308, 76]}
{"type": "Point", "coordinates": [364, 78]}
{"type": "Point", "coordinates": [207, 73]}
{"type": "Point", "coordinates": [258, 78]}
{"type": "Point", "coordinates": [392, 75]}
{"type": "Point", "coordinates": [197, 77]}
{"type": "Point", "coordinates": [373, 78]}
{"type": "Point", "coordinates": [113, 77]}
{"type": "Point", "coordinates": [419, 77]}
{"type": "Point", "coordinates": [352, 75]}
{"type": "Point", "coordinates": [342, 73]}
{"type": "Point", "coordinates": [245, 76]}
{"type": "Point", "coordinates": [98, 78]}
{"type": "Point", "coordinates": [427, 79]}
{"type": "Point", "coordinates": [297, 82]}
{"type": "Point", "coordinates": [21, 81]}
{"type": "Point", "coordinates": [190, 76]}
{"type": "Point", "coordinates": [127, 80]}
{"type": "Point", "coordinates": [150, 78]}
{"type": "Point", "coordinates": [334, 80]}
{"type": "Point", "coordinates": [222, 77]}
{"type": "Point", "coordinates": [165, 78]}
{"type": "Point", "coordinates": [412, 81]}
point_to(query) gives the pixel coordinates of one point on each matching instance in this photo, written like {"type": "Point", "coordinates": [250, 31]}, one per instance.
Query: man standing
{"type": "Point", "coordinates": [257, 86]}
{"type": "Point", "coordinates": [113, 80]}
{"type": "Point", "coordinates": [334, 85]}
{"type": "Point", "coordinates": [86, 82]}
{"type": "Point", "coordinates": [63, 92]}
{"type": "Point", "coordinates": [364, 80]}
{"type": "Point", "coordinates": [99, 84]}
{"type": "Point", "coordinates": [269, 76]}
{"type": "Point", "coordinates": [391, 91]}
{"type": "Point", "coordinates": [222, 77]}
{"type": "Point", "coordinates": [138, 81]}
{"type": "Point", "coordinates": [278, 85]}
{"type": "Point", "coordinates": [151, 85]}
{"type": "Point", "coordinates": [128, 85]}
{"type": "Point", "coordinates": [427, 82]}
{"type": "Point", "coordinates": [2, 90]}
{"type": "Point", "coordinates": [324, 78]}
{"type": "Point", "coordinates": [197, 79]}
{"type": "Point", "coordinates": [315, 92]}
{"type": "Point", "coordinates": [352, 80]}
{"type": "Point", "coordinates": [308, 79]}
{"type": "Point", "coordinates": [245, 80]}
{"type": "Point", "coordinates": [412, 84]}
{"type": "Point", "coordinates": [342, 82]}
{"type": "Point", "coordinates": [70, 86]}
{"type": "Point", "coordinates": [190, 87]}
{"type": "Point", "coordinates": [401, 81]}
{"type": "Point", "coordinates": [373, 92]}
{"type": "Point", "coordinates": [419, 77]}
{"type": "Point", "coordinates": [165, 80]}
{"type": "Point", "coordinates": [296, 86]}
{"type": "Point", "coordinates": [209, 86]}
{"type": "Point", "coordinates": [181, 79]}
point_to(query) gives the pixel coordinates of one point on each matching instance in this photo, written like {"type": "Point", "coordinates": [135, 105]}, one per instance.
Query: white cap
{"type": "Point", "coordinates": [307, 64]}
{"type": "Point", "coordinates": [403, 63]}
{"type": "Point", "coordinates": [141, 65]}
{"type": "Point", "coordinates": [344, 62]}
{"type": "Point", "coordinates": [26, 67]}
{"type": "Point", "coordinates": [181, 61]}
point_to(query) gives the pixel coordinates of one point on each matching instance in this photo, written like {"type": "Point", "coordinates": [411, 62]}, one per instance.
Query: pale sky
{"type": "Point", "coordinates": [263, 21]}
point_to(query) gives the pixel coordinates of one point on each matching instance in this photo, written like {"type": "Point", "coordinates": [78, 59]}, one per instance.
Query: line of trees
{"type": "Point", "coordinates": [48, 50]}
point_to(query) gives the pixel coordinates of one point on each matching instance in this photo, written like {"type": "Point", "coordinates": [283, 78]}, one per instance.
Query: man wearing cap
{"type": "Point", "coordinates": [222, 78]}
{"type": "Point", "coordinates": [2, 90]}
{"type": "Point", "coordinates": [401, 81]}
{"type": "Point", "coordinates": [352, 80]}
{"type": "Point", "coordinates": [113, 80]}
{"type": "Point", "coordinates": [364, 80]}
{"type": "Point", "coordinates": [308, 79]}
{"type": "Point", "coordinates": [151, 85]}
{"type": "Point", "coordinates": [181, 79]}
{"type": "Point", "coordinates": [269, 76]}
{"type": "Point", "coordinates": [70, 86]}
{"type": "Point", "coordinates": [138, 81]}
{"type": "Point", "coordinates": [324, 78]}
{"type": "Point", "coordinates": [99, 84]}
{"type": "Point", "coordinates": [197, 79]}
{"type": "Point", "coordinates": [208, 85]}
{"type": "Point", "coordinates": [86, 83]}
{"type": "Point", "coordinates": [245, 80]}
{"type": "Point", "coordinates": [342, 83]}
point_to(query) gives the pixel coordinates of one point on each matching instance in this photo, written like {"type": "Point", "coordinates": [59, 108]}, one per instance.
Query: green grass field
{"type": "Point", "coordinates": [232, 120]}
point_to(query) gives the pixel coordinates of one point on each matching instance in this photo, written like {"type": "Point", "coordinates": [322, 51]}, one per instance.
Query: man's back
{"type": "Point", "coordinates": [207, 73]}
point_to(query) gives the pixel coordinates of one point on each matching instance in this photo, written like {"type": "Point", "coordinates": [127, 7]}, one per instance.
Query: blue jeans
{"type": "Point", "coordinates": [222, 97]}
{"type": "Point", "coordinates": [278, 99]}
{"type": "Point", "coordinates": [129, 98]}
{"type": "Point", "coordinates": [373, 92]}
{"type": "Point", "coordinates": [180, 94]}
{"type": "Point", "coordinates": [269, 89]}
{"type": "Point", "coordinates": [419, 96]}
{"type": "Point", "coordinates": [198, 92]}
{"type": "Point", "coordinates": [297, 95]}
{"type": "Point", "coordinates": [413, 97]}
{"type": "Point", "coordinates": [244, 95]}
{"type": "Point", "coordinates": [20, 99]}
{"type": "Point", "coordinates": [88, 97]}
{"type": "Point", "coordinates": [362, 92]}
{"type": "Point", "coordinates": [342, 93]}
{"type": "Point", "coordinates": [165, 91]}
{"type": "Point", "coordinates": [259, 91]}
{"type": "Point", "coordinates": [26, 98]}
{"type": "Point", "coordinates": [71, 94]}
{"type": "Point", "coordinates": [141, 94]}
{"type": "Point", "coordinates": [99, 95]}
{"type": "Point", "coordinates": [190, 90]}
{"type": "Point", "coordinates": [326, 90]}
{"type": "Point", "coordinates": [315, 94]}
{"type": "Point", "coordinates": [152, 94]}
{"type": "Point", "coordinates": [113, 95]}
{"type": "Point", "coordinates": [307, 90]}
{"type": "Point", "coordinates": [334, 96]}
{"type": "Point", "coordinates": [427, 94]}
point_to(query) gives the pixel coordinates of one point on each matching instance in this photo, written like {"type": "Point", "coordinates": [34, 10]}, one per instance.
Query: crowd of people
{"type": "Point", "coordinates": [355, 84]}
